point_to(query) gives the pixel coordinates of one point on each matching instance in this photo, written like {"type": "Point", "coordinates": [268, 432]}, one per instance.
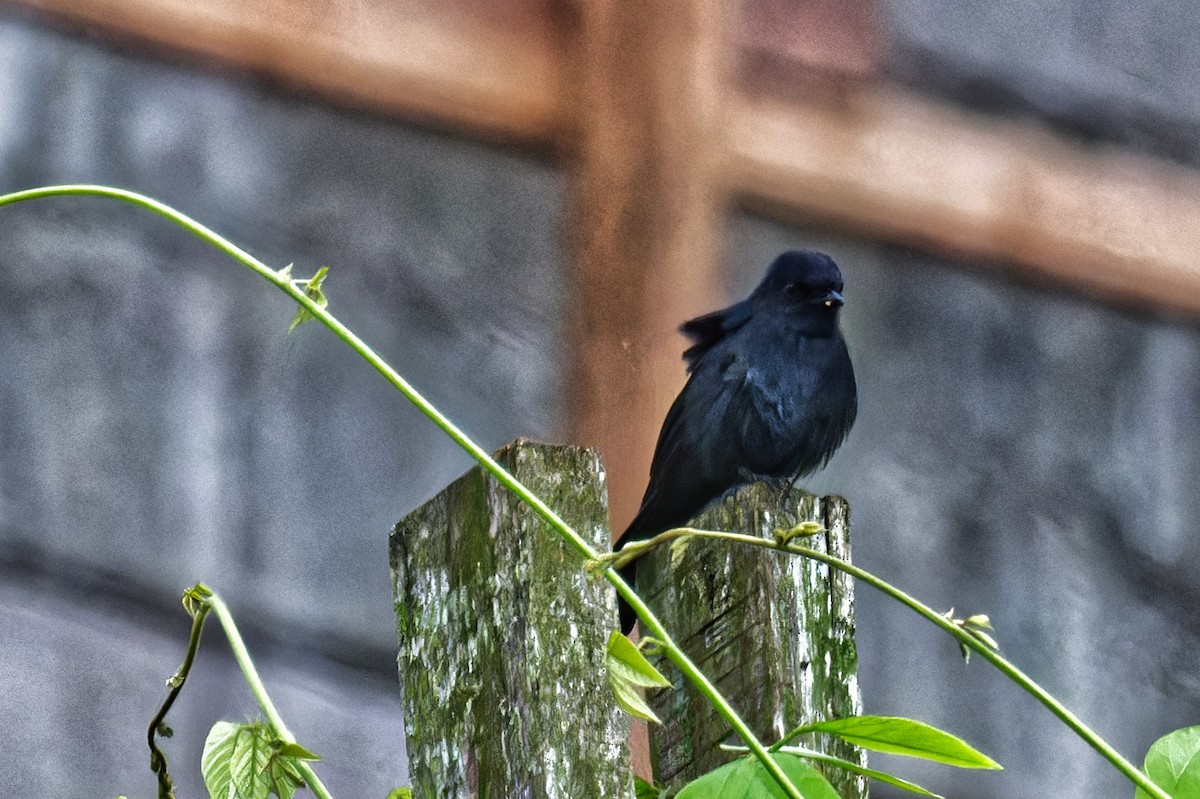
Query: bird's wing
{"type": "Point", "coordinates": [690, 468]}
{"type": "Point", "coordinates": [707, 330]}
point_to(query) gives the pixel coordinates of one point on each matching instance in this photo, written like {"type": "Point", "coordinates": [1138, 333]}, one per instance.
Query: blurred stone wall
{"type": "Point", "coordinates": [1020, 451]}
{"type": "Point", "coordinates": [1031, 455]}
{"type": "Point", "coordinates": [158, 425]}
{"type": "Point", "coordinates": [1107, 71]}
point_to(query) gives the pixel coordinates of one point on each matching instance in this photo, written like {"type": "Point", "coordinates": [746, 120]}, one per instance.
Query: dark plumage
{"type": "Point", "coordinates": [770, 397]}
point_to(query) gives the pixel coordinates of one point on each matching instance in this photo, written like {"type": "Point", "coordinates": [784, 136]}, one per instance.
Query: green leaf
{"type": "Point", "coordinates": [298, 752]}
{"type": "Point", "coordinates": [312, 288]}
{"type": "Point", "coordinates": [1173, 763]}
{"type": "Point", "coordinates": [901, 736]}
{"type": "Point", "coordinates": [403, 792]}
{"type": "Point", "coordinates": [679, 547]}
{"type": "Point", "coordinates": [746, 778]}
{"type": "Point", "coordinates": [195, 597]}
{"type": "Point", "coordinates": [644, 790]}
{"type": "Point", "coordinates": [243, 761]}
{"type": "Point", "coordinates": [630, 699]}
{"type": "Point", "coordinates": [628, 670]}
{"type": "Point", "coordinates": [631, 664]}
{"type": "Point", "coordinates": [801, 530]}
{"type": "Point", "coordinates": [881, 776]}
{"type": "Point", "coordinates": [222, 773]}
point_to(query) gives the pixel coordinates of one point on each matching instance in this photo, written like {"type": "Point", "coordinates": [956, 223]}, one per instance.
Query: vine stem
{"type": "Point", "coordinates": [295, 290]}
{"type": "Point", "coordinates": [1006, 667]}
{"type": "Point", "coordinates": [158, 758]}
{"type": "Point", "coordinates": [250, 673]}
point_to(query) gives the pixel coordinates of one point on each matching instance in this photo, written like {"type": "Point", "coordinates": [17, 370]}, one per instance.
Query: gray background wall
{"type": "Point", "coordinates": [1020, 451]}
{"type": "Point", "coordinates": [1101, 70]}
{"type": "Point", "coordinates": [1059, 438]}
{"type": "Point", "coordinates": [1027, 454]}
{"type": "Point", "coordinates": [160, 427]}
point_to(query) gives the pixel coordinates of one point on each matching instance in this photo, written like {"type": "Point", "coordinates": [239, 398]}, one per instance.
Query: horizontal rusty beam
{"type": "Point", "coordinates": [875, 159]}
{"type": "Point", "coordinates": [434, 61]}
{"type": "Point", "coordinates": [892, 164]}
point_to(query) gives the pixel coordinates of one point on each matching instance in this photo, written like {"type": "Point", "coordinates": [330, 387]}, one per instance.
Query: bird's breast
{"type": "Point", "coordinates": [791, 405]}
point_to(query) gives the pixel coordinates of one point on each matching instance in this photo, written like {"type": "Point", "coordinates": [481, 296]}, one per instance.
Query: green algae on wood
{"type": "Point", "coordinates": [774, 632]}
{"type": "Point", "coordinates": [502, 637]}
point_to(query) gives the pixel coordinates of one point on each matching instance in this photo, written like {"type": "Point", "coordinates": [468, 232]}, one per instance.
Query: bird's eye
{"type": "Point", "coordinates": [800, 291]}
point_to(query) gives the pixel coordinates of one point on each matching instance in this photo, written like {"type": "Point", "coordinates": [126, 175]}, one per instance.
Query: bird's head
{"type": "Point", "coordinates": [805, 281]}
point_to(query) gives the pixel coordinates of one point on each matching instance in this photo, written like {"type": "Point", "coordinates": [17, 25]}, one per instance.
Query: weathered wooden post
{"type": "Point", "coordinates": [503, 638]}
{"type": "Point", "coordinates": [775, 633]}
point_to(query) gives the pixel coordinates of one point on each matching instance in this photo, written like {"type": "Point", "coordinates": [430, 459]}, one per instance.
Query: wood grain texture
{"type": "Point", "coordinates": [889, 164]}
{"type": "Point", "coordinates": [872, 158]}
{"type": "Point", "coordinates": [645, 219]}
{"type": "Point", "coordinates": [775, 633]}
{"type": "Point", "coordinates": [644, 225]}
{"type": "Point", "coordinates": [492, 69]}
{"type": "Point", "coordinates": [502, 637]}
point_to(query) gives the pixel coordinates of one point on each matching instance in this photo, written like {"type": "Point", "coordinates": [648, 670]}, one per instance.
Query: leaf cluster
{"type": "Point", "coordinates": [249, 761]}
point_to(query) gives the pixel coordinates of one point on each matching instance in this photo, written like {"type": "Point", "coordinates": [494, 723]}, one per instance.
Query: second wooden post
{"type": "Point", "coordinates": [774, 632]}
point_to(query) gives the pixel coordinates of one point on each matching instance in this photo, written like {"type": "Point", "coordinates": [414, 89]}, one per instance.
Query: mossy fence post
{"type": "Point", "coordinates": [502, 636]}
{"type": "Point", "coordinates": [774, 632]}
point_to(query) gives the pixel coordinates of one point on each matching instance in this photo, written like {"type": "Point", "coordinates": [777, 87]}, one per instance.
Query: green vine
{"type": "Point", "coordinates": [308, 295]}
{"type": "Point", "coordinates": [312, 303]}
{"type": "Point", "coordinates": [965, 633]}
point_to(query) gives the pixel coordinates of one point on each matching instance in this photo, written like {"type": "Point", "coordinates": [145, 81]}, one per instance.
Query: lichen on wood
{"type": "Point", "coordinates": [774, 632]}
{"type": "Point", "coordinates": [502, 637]}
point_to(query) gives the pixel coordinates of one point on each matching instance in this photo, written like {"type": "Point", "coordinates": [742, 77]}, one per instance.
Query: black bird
{"type": "Point", "coordinates": [770, 397]}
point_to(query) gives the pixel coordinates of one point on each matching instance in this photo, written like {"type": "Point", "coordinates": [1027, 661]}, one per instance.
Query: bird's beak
{"type": "Point", "coordinates": [833, 299]}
